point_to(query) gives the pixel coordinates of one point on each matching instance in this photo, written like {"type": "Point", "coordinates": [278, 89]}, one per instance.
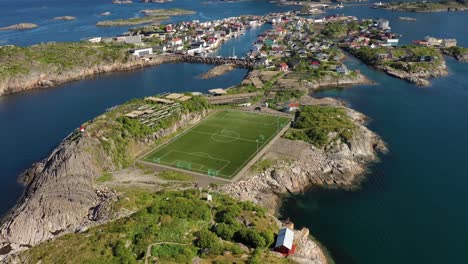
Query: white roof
{"type": "Point", "coordinates": [285, 238]}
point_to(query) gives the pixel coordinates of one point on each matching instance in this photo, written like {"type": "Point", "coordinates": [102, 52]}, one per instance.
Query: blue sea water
{"type": "Point", "coordinates": [412, 207]}
{"type": "Point", "coordinates": [88, 13]}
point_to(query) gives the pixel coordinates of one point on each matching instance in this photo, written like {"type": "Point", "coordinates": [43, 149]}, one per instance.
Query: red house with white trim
{"type": "Point", "coordinates": [285, 242]}
{"type": "Point", "coordinates": [284, 66]}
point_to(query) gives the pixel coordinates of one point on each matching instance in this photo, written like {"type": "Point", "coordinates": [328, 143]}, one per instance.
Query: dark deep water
{"type": "Point", "coordinates": [412, 207]}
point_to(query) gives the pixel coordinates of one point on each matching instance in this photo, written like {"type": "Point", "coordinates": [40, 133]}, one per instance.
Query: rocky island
{"type": "Point", "coordinates": [20, 26]}
{"type": "Point", "coordinates": [64, 18]}
{"type": "Point", "coordinates": [218, 71]}
{"type": "Point", "coordinates": [151, 16]}
{"type": "Point", "coordinates": [426, 6]}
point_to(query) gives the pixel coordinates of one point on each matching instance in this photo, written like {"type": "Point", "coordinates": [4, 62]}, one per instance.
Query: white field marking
{"type": "Point", "coordinates": [239, 138]}
{"type": "Point", "coordinates": [255, 152]}
{"type": "Point", "coordinates": [182, 134]}
{"type": "Point", "coordinates": [160, 158]}
{"type": "Point", "coordinates": [200, 155]}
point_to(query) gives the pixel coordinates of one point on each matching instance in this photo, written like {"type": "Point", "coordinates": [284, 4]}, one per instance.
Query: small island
{"type": "Point", "coordinates": [105, 13]}
{"type": "Point", "coordinates": [154, 16]}
{"type": "Point", "coordinates": [218, 71]}
{"type": "Point", "coordinates": [120, 2]}
{"type": "Point", "coordinates": [20, 26]}
{"type": "Point", "coordinates": [64, 18]}
{"type": "Point", "coordinates": [425, 6]}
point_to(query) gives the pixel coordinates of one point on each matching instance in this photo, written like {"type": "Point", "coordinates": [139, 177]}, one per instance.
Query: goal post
{"type": "Point", "coordinates": [212, 172]}
{"type": "Point", "coordinates": [184, 165]}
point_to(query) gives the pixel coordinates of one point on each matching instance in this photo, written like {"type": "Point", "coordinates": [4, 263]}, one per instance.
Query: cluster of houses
{"type": "Point", "coordinates": [294, 40]}
{"type": "Point", "coordinates": [192, 37]}
{"type": "Point", "coordinates": [436, 42]}
{"type": "Point", "coordinates": [371, 33]}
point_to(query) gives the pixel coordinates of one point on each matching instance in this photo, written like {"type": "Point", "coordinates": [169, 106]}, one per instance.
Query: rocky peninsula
{"type": "Point", "coordinates": [20, 26]}
{"type": "Point", "coordinates": [63, 193]}
{"type": "Point", "coordinates": [64, 66]}
{"type": "Point", "coordinates": [459, 53]}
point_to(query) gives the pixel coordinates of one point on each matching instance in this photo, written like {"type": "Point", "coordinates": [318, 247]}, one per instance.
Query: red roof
{"type": "Point", "coordinates": [177, 39]}
{"type": "Point", "coordinates": [291, 105]}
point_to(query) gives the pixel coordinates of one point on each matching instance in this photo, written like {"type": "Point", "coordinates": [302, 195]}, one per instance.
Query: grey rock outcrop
{"type": "Point", "coordinates": [338, 165]}
{"type": "Point", "coordinates": [61, 196]}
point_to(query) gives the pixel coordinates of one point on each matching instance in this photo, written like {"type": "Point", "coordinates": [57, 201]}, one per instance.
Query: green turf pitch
{"type": "Point", "coordinates": [221, 144]}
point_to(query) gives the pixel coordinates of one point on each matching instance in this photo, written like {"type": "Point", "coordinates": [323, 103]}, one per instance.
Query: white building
{"type": "Point", "coordinates": [142, 52]}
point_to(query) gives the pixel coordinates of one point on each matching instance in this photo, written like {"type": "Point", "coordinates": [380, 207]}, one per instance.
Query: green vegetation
{"type": "Point", "coordinates": [174, 226]}
{"type": "Point", "coordinates": [174, 176]}
{"type": "Point", "coordinates": [404, 58]}
{"type": "Point", "coordinates": [282, 97]}
{"type": "Point", "coordinates": [105, 178]}
{"type": "Point", "coordinates": [457, 51]}
{"type": "Point", "coordinates": [426, 6]}
{"type": "Point", "coordinates": [132, 21]}
{"type": "Point", "coordinates": [151, 16]}
{"type": "Point", "coordinates": [335, 30]}
{"type": "Point", "coordinates": [57, 58]}
{"type": "Point", "coordinates": [118, 133]}
{"type": "Point", "coordinates": [207, 147]}
{"type": "Point", "coordinates": [321, 125]}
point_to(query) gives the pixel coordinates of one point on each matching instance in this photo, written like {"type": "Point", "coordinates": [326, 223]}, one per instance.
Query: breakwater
{"type": "Point", "coordinates": [241, 63]}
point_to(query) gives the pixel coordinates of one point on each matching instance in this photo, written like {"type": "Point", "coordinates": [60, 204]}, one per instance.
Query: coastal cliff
{"type": "Point", "coordinates": [61, 194]}
{"type": "Point", "coordinates": [53, 75]}
{"type": "Point", "coordinates": [337, 165]}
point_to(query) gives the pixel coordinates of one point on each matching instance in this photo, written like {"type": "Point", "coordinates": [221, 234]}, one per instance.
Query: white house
{"type": "Point", "coordinates": [142, 52]}
{"type": "Point", "coordinates": [95, 40]}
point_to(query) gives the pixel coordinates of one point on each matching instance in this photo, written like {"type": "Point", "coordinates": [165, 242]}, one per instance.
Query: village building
{"type": "Point", "coordinates": [141, 52]}
{"type": "Point", "coordinates": [283, 66]}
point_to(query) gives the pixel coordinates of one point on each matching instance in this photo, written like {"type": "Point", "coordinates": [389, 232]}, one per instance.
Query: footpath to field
{"type": "Point", "coordinates": [223, 145]}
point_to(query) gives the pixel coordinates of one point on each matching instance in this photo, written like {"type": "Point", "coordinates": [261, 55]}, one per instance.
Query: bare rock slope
{"type": "Point", "coordinates": [61, 196]}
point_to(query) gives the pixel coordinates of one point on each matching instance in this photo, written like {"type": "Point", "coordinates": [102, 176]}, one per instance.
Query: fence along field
{"type": "Point", "coordinates": [220, 145]}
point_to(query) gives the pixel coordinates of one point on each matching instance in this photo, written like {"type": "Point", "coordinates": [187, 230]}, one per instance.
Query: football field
{"type": "Point", "coordinates": [221, 144]}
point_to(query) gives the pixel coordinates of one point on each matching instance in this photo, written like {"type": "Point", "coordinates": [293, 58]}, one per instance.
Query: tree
{"type": "Point", "coordinates": [208, 241]}
{"type": "Point", "coordinates": [226, 231]}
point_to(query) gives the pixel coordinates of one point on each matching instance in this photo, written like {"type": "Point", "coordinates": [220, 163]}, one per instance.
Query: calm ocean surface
{"type": "Point", "coordinates": [412, 207]}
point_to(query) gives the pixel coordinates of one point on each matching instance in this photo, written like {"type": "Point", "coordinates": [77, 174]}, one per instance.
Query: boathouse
{"type": "Point", "coordinates": [285, 242]}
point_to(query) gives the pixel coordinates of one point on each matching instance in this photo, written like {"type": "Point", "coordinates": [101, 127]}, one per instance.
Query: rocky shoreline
{"type": "Point", "coordinates": [16, 84]}
{"type": "Point", "coordinates": [419, 78]}
{"type": "Point", "coordinates": [339, 165]}
{"type": "Point", "coordinates": [61, 195]}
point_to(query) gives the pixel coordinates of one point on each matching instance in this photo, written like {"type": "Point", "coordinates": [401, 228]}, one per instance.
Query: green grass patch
{"type": "Point", "coordinates": [320, 125]}
{"type": "Point", "coordinates": [221, 144]}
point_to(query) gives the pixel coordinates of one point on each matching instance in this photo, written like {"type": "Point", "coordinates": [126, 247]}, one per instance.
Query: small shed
{"type": "Point", "coordinates": [284, 241]}
{"type": "Point", "coordinates": [217, 91]}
